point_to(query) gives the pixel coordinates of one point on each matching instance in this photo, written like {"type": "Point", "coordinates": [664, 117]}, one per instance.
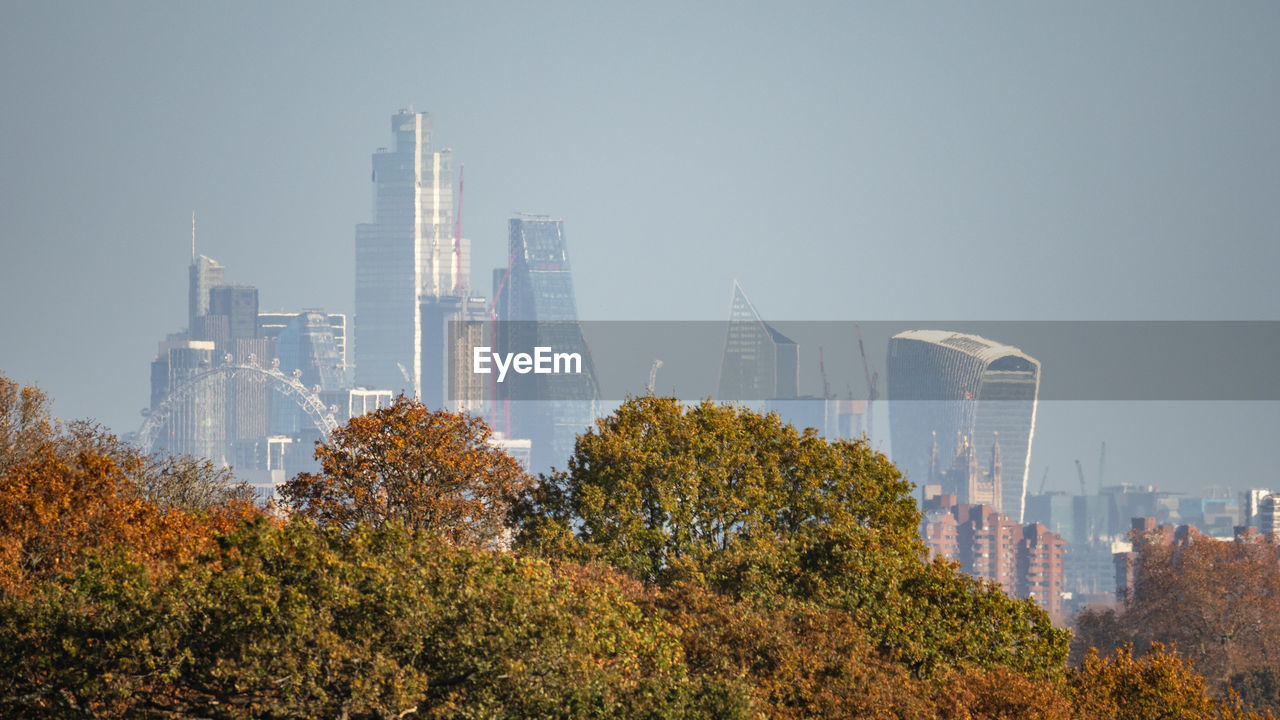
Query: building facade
{"type": "Point", "coordinates": [534, 302]}
{"type": "Point", "coordinates": [408, 253]}
{"type": "Point", "coordinates": [759, 363]}
{"type": "Point", "coordinates": [1025, 560]}
{"type": "Point", "coordinates": [944, 385]}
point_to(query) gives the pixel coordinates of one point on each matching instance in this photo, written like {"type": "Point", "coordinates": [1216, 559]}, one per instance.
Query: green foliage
{"type": "Point", "coordinates": [303, 622]}
{"type": "Point", "coordinates": [740, 503]}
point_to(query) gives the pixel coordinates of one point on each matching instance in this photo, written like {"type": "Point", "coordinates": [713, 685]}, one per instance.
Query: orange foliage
{"type": "Point", "coordinates": [62, 493]}
{"type": "Point", "coordinates": [433, 471]}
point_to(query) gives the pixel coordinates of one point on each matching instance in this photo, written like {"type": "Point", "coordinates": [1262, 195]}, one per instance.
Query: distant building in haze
{"type": "Point", "coordinates": [535, 302]}
{"type": "Point", "coordinates": [945, 384]}
{"type": "Point", "coordinates": [405, 255]}
{"type": "Point", "coordinates": [452, 327]}
{"type": "Point", "coordinates": [1026, 560]}
{"type": "Point", "coordinates": [204, 275]}
{"type": "Point", "coordinates": [759, 363]}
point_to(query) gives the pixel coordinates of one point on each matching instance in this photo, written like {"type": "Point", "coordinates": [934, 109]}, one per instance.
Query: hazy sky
{"type": "Point", "coordinates": [849, 161]}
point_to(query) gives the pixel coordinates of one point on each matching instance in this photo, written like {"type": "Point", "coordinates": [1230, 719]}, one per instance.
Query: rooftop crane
{"type": "Point", "coordinates": [1080, 472]}
{"type": "Point", "coordinates": [872, 379]}
{"type": "Point", "coordinates": [1044, 479]}
{"type": "Point", "coordinates": [653, 374]}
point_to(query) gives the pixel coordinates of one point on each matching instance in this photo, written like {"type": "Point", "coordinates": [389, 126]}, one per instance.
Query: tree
{"type": "Point", "coordinates": [1213, 601]}
{"type": "Point", "coordinates": [432, 471]}
{"type": "Point", "coordinates": [656, 488]}
{"type": "Point", "coordinates": [1161, 685]}
{"type": "Point", "coordinates": [65, 489]}
{"type": "Point", "coordinates": [300, 621]}
{"type": "Point", "coordinates": [742, 504]}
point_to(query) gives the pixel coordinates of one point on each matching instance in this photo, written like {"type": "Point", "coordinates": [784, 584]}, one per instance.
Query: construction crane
{"type": "Point", "coordinates": [822, 370]}
{"type": "Point", "coordinates": [1044, 479]}
{"type": "Point", "coordinates": [1102, 464]}
{"type": "Point", "coordinates": [872, 379]}
{"type": "Point", "coordinates": [1080, 472]}
{"type": "Point", "coordinates": [653, 374]}
{"type": "Point", "coordinates": [457, 236]}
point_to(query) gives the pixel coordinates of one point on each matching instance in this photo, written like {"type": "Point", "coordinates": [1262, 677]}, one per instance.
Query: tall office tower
{"type": "Point", "coordinates": [950, 385]}
{"type": "Point", "coordinates": [536, 302]}
{"type": "Point", "coordinates": [452, 326]}
{"type": "Point", "coordinates": [204, 274]}
{"type": "Point", "coordinates": [405, 255]}
{"type": "Point", "coordinates": [759, 362]}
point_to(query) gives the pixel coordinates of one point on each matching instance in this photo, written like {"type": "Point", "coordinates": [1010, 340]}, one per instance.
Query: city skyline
{"type": "Point", "coordinates": [911, 158]}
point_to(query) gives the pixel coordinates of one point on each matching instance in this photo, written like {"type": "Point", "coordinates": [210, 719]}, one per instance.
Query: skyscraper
{"type": "Point", "coordinates": [948, 385]}
{"type": "Point", "coordinates": [305, 345]}
{"type": "Point", "coordinates": [452, 326]}
{"type": "Point", "coordinates": [759, 362]}
{"type": "Point", "coordinates": [536, 302]}
{"type": "Point", "coordinates": [204, 275]}
{"type": "Point", "coordinates": [405, 255]}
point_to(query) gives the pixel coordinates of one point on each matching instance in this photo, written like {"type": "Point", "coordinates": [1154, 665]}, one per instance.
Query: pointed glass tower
{"type": "Point", "coordinates": [759, 363]}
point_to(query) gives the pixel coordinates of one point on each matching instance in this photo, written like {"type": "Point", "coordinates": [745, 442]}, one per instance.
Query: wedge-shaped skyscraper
{"type": "Point", "coordinates": [759, 363]}
{"type": "Point", "coordinates": [946, 386]}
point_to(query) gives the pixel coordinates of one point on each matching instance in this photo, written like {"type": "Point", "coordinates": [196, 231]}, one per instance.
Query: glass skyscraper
{"type": "Point", "coordinates": [759, 363]}
{"type": "Point", "coordinates": [949, 387]}
{"type": "Point", "coordinates": [405, 255]}
{"type": "Point", "coordinates": [536, 302]}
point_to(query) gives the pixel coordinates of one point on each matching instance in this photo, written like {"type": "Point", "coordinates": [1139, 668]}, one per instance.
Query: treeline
{"type": "Point", "coordinates": [1216, 601]}
{"type": "Point", "coordinates": [691, 562]}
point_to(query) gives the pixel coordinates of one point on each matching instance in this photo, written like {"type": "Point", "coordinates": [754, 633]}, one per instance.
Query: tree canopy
{"type": "Point", "coordinates": [431, 470]}
{"type": "Point", "coordinates": [743, 569]}
{"type": "Point", "coordinates": [741, 503]}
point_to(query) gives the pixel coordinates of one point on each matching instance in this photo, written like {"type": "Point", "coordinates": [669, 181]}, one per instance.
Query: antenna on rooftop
{"type": "Point", "coordinates": [193, 237]}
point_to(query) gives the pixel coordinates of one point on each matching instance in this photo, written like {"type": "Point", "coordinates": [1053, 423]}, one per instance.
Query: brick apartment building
{"type": "Point", "coordinates": [1025, 560]}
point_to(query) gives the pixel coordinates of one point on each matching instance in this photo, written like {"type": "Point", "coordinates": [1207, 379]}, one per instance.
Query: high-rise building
{"type": "Point", "coordinates": [452, 326]}
{"type": "Point", "coordinates": [759, 363]}
{"type": "Point", "coordinates": [305, 345]}
{"type": "Point", "coordinates": [196, 422]}
{"type": "Point", "coordinates": [239, 304]}
{"type": "Point", "coordinates": [1269, 515]}
{"type": "Point", "coordinates": [271, 324]}
{"type": "Point", "coordinates": [946, 385]}
{"type": "Point", "coordinates": [535, 302]}
{"type": "Point", "coordinates": [405, 255]}
{"type": "Point", "coordinates": [204, 275]}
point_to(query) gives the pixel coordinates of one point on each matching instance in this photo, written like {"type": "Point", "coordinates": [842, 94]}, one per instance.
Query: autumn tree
{"type": "Point", "coordinates": [1160, 685]}
{"type": "Point", "coordinates": [431, 470]}
{"type": "Point", "coordinates": [741, 503]}
{"type": "Point", "coordinates": [1215, 602]}
{"type": "Point", "coordinates": [65, 489]}
{"type": "Point", "coordinates": [301, 621]}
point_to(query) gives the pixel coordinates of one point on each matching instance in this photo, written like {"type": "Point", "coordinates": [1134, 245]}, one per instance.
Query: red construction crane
{"type": "Point", "coordinates": [872, 379]}
{"type": "Point", "coordinates": [457, 236]}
